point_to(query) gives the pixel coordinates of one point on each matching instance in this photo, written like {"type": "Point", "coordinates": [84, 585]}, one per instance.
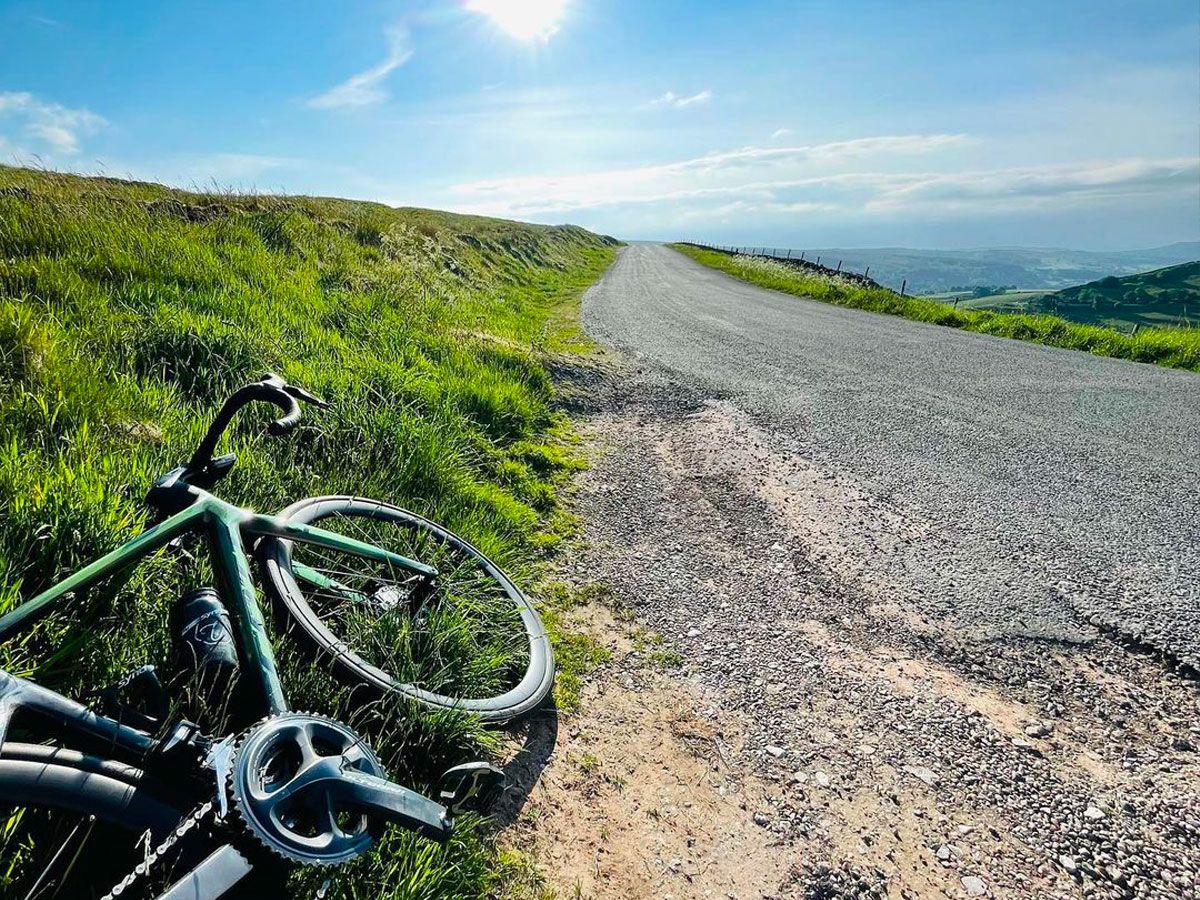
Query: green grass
{"type": "Point", "coordinates": [1172, 347]}
{"type": "Point", "coordinates": [129, 310]}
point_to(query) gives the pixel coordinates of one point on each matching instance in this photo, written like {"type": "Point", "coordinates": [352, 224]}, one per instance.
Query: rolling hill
{"type": "Point", "coordinates": [1169, 296]}
{"type": "Point", "coordinates": [934, 271]}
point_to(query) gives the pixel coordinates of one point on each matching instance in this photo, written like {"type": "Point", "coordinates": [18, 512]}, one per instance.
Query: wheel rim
{"type": "Point", "coordinates": [475, 644]}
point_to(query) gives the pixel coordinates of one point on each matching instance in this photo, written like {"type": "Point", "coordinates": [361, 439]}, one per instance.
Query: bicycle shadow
{"type": "Point", "coordinates": [537, 736]}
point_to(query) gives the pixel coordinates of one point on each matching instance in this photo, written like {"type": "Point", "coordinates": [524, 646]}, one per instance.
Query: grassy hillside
{"type": "Point", "coordinates": [1169, 296]}
{"type": "Point", "coordinates": [128, 311]}
{"type": "Point", "coordinates": [1175, 347]}
{"type": "Point", "coordinates": [1163, 297]}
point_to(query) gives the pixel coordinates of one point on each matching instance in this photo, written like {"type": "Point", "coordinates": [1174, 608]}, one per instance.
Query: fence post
{"type": "Point", "coordinates": [818, 260]}
{"type": "Point", "coordinates": [868, 272]}
{"type": "Point", "coordinates": [903, 286]}
{"type": "Point", "coordinates": [801, 256]}
{"type": "Point", "coordinates": [839, 268]}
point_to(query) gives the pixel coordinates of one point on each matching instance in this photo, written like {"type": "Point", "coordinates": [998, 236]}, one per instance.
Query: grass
{"type": "Point", "coordinates": [129, 310]}
{"type": "Point", "coordinates": [1172, 347]}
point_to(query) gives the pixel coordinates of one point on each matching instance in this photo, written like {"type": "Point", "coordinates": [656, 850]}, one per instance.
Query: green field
{"type": "Point", "coordinates": [1008, 301]}
{"type": "Point", "coordinates": [1173, 347]}
{"type": "Point", "coordinates": [128, 311]}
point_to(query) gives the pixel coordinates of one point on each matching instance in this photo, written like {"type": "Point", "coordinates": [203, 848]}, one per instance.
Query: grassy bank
{"type": "Point", "coordinates": [128, 311]}
{"type": "Point", "coordinates": [1172, 347]}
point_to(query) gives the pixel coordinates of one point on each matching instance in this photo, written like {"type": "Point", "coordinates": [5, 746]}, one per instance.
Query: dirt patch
{"type": "Point", "coordinates": [643, 798]}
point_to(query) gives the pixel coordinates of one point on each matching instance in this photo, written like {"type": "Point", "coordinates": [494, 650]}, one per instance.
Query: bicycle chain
{"type": "Point", "coordinates": [189, 823]}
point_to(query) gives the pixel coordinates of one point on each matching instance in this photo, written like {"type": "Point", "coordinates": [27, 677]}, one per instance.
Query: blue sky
{"type": "Point", "coordinates": [851, 123]}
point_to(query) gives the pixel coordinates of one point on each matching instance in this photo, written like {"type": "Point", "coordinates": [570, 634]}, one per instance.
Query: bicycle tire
{"type": "Point", "coordinates": [275, 557]}
{"type": "Point", "coordinates": [58, 780]}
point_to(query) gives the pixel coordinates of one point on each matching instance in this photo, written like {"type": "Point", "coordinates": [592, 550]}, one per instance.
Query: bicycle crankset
{"type": "Point", "coordinates": [310, 790]}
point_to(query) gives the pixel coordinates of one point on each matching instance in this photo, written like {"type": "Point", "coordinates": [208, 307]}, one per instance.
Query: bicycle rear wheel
{"type": "Point", "coordinates": [472, 641]}
{"type": "Point", "coordinates": [73, 825]}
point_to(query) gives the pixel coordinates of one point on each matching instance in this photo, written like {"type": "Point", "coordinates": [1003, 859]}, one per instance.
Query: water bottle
{"type": "Point", "coordinates": [204, 641]}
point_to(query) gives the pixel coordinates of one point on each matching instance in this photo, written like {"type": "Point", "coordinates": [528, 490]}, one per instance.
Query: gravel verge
{"type": "Point", "coordinates": [912, 745]}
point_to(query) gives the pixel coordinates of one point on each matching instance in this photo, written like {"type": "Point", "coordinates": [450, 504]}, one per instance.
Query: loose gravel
{"type": "Point", "coordinates": [883, 551]}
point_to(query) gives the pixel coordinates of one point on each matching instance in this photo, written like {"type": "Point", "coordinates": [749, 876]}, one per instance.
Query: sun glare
{"type": "Point", "coordinates": [525, 20]}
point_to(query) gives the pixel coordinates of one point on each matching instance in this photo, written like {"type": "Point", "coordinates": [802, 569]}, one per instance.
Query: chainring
{"type": "Point", "coordinates": [282, 782]}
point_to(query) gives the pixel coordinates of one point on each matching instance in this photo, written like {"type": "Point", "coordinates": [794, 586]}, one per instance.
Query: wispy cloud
{"type": "Point", "coordinates": [780, 133]}
{"type": "Point", "coordinates": [366, 87]}
{"type": "Point", "coordinates": [1030, 187]}
{"type": "Point", "coordinates": [50, 125]}
{"type": "Point", "coordinates": [830, 178]}
{"type": "Point", "coordinates": [670, 98]}
{"type": "Point", "coordinates": [714, 174]}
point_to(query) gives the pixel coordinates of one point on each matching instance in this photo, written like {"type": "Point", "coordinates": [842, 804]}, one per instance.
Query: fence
{"type": "Point", "coordinates": [798, 259]}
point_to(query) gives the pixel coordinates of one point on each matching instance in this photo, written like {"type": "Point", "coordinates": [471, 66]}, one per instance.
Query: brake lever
{"type": "Point", "coordinates": [300, 393]}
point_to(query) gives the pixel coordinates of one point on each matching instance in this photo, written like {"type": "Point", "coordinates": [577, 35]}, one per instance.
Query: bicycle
{"type": "Point", "coordinates": [293, 788]}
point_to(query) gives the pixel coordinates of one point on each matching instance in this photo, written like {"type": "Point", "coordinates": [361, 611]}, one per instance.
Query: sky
{"type": "Point", "coordinates": [850, 123]}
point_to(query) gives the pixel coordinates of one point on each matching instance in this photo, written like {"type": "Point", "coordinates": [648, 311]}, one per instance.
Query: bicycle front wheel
{"type": "Point", "coordinates": [469, 640]}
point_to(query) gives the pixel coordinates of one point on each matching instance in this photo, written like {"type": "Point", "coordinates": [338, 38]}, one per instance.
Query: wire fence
{"type": "Point", "coordinates": [799, 259]}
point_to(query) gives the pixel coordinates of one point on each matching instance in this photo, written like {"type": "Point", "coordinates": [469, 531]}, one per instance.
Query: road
{"type": "Point", "coordinates": [1052, 486]}
{"type": "Point", "coordinates": [934, 594]}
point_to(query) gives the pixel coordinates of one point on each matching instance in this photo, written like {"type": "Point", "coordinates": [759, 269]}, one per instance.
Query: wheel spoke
{"type": "Point", "coordinates": [465, 638]}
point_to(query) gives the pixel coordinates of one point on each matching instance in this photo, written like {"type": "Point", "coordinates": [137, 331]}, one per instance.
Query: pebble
{"type": "Point", "coordinates": [974, 886]}
{"type": "Point", "coordinates": [922, 773]}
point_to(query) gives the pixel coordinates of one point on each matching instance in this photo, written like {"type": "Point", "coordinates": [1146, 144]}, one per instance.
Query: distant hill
{"type": "Point", "coordinates": [1169, 296]}
{"type": "Point", "coordinates": [934, 271]}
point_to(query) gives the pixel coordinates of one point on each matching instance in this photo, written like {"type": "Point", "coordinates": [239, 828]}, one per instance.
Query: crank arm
{"type": "Point", "coordinates": [394, 803]}
{"type": "Point", "coordinates": [370, 795]}
{"type": "Point", "coordinates": [210, 880]}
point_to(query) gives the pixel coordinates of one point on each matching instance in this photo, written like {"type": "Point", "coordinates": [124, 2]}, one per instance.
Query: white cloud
{"type": "Point", "coordinates": [830, 179]}
{"type": "Point", "coordinates": [780, 133]}
{"type": "Point", "coordinates": [366, 87]}
{"type": "Point", "coordinates": [1030, 187]}
{"type": "Point", "coordinates": [50, 125]}
{"type": "Point", "coordinates": [670, 98]}
{"type": "Point", "coordinates": [721, 174]}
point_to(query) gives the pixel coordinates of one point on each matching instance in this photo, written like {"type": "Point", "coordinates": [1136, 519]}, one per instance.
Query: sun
{"type": "Point", "coordinates": [525, 20]}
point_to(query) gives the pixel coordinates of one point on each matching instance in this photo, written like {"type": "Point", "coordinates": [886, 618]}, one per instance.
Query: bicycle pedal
{"type": "Point", "coordinates": [139, 699]}
{"type": "Point", "coordinates": [473, 786]}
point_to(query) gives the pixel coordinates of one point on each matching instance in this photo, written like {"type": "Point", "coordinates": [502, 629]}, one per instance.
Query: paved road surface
{"type": "Point", "coordinates": [1052, 491]}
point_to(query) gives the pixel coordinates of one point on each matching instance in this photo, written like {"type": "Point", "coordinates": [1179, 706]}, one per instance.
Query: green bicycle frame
{"type": "Point", "coordinates": [227, 528]}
